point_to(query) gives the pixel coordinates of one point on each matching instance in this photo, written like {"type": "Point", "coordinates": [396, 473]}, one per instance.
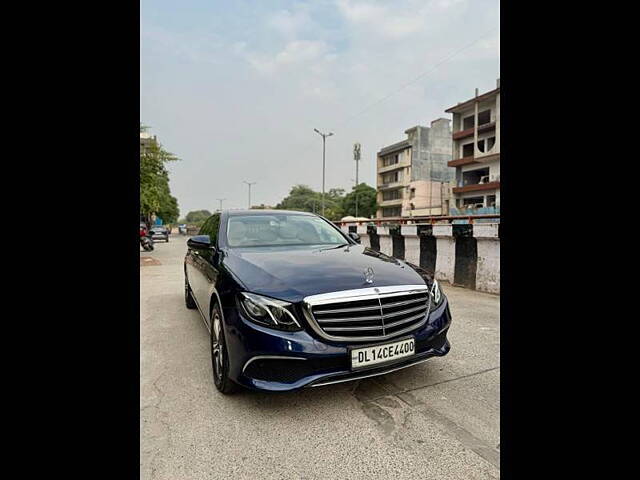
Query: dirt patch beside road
{"type": "Point", "coordinates": [149, 261]}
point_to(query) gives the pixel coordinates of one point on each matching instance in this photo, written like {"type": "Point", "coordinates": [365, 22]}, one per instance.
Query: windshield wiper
{"type": "Point", "coordinates": [337, 246]}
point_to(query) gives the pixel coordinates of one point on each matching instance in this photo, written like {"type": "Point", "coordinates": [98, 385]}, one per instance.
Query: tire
{"type": "Point", "coordinates": [188, 298]}
{"type": "Point", "coordinates": [219, 355]}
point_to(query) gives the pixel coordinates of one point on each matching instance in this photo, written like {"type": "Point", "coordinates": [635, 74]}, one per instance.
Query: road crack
{"type": "Point", "coordinates": [374, 409]}
{"type": "Point", "coordinates": [159, 415]}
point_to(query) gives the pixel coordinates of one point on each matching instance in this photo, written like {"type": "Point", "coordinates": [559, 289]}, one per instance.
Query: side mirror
{"type": "Point", "coordinates": [201, 242]}
{"type": "Point", "coordinates": [355, 237]}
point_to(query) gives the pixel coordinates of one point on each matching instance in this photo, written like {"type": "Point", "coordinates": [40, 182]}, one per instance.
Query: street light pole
{"type": "Point", "coordinates": [356, 157]}
{"type": "Point", "coordinates": [249, 184]}
{"type": "Point", "coordinates": [220, 200]}
{"type": "Point", "coordinates": [324, 138]}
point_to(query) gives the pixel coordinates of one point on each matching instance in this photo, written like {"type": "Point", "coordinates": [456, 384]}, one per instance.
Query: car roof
{"type": "Point", "coordinates": [267, 212]}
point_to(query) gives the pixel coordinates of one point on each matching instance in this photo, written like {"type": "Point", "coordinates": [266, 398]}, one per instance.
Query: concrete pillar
{"type": "Point", "coordinates": [364, 236]}
{"type": "Point", "coordinates": [488, 271]}
{"type": "Point", "coordinates": [497, 145]}
{"type": "Point", "coordinates": [386, 246]}
{"type": "Point", "coordinates": [411, 243]}
{"type": "Point", "coordinates": [446, 247]}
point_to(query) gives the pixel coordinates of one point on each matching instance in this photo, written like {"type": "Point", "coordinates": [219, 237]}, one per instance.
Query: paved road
{"type": "Point", "coordinates": [437, 420]}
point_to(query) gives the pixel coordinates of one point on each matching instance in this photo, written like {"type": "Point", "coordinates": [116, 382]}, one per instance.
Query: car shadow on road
{"type": "Point", "coordinates": [357, 391]}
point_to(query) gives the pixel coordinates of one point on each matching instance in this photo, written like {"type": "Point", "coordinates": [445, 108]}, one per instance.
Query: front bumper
{"type": "Point", "coordinates": [266, 359]}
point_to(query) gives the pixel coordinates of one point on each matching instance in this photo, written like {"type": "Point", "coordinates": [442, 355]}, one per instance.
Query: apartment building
{"type": "Point", "coordinates": [476, 151]}
{"type": "Point", "coordinates": [413, 178]}
{"type": "Point", "coordinates": [146, 139]}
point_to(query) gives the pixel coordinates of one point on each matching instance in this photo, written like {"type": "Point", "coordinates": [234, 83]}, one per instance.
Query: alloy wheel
{"type": "Point", "coordinates": [217, 345]}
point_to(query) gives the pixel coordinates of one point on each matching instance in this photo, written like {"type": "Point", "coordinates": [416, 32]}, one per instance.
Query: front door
{"type": "Point", "coordinates": [196, 279]}
{"type": "Point", "coordinates": [209, 276]}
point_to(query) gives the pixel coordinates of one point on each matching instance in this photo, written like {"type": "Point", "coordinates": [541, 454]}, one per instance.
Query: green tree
{"type": "Point", "coordinates": [333, 204]}
{"type": "Point", "coordinates": [155, 194]}
{"type": "Point", "coordinates": [367, 201]}
{"type": "Point", "coordinates": [169, 211]}
{"type": "Point", "coordinates": [300, 198]}
{"type": "Point", "coordinates": [303, 198]}
{"type": "Point", "coordinates": [197, 216]}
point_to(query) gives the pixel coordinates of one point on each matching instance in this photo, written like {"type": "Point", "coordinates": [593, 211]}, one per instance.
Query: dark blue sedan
{"type": "Point", "coordinates": [291, 301]}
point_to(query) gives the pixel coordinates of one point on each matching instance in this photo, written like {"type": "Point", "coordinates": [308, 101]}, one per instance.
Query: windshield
{"type": "Point", "coordinates": [287, 229]}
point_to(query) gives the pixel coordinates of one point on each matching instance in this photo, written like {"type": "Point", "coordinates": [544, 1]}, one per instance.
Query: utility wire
{"type": "Point", "coordinates": [415, 79]}
{"type": "Point", "coordinates": [422, 75]}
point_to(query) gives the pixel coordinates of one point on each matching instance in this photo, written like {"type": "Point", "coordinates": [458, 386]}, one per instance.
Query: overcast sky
{"type": "Point", "coordinates": [236, 88]}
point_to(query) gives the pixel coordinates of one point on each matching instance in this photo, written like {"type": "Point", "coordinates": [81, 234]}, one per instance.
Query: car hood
{"type": "Point", "coordinates": [293, 273]}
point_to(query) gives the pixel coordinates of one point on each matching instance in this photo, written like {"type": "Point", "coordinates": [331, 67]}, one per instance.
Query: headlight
{"type": "Point", "coordinates": [436, 293]}
{"type": "Point", "coordinates": [269, 312]}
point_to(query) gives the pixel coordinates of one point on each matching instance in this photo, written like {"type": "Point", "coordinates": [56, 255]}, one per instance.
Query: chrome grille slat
{"type": "Point", "coordinates": [347, 310]}
{"type": "Point", "coordinates": [352, 329]}
{"type": "Point", "coordinates": [407, 302]}
{"type": "Point", "coordinates": [341, 326]}
{"type": "Point", "coordinates": [402, 312]}
{"type": "Point", "coordinates": [350, 319]}
{"type": "Point", "coordinates": [404, 320]}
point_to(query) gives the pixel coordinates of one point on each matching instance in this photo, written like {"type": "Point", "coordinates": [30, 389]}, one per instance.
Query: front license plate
{"type": "Point", "coordinates": [362, 357]}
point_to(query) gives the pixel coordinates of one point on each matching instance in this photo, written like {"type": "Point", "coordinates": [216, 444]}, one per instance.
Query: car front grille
{"type": "Point", "coordinates": [368, 313]}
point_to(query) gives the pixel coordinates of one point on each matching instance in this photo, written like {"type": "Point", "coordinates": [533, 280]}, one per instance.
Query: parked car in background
{"type": "Point", "coordinates": [182, 229]}
{"type": "Point", "coordinates": [159, 232]}
{"type": "Point", "coordinates": [291, 301]}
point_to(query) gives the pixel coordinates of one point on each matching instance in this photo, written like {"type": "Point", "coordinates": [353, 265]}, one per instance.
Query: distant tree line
{"type": "Point", "coordinates": [196, 217]}
{"type": "Point", "coordinates": [337, 204]}
{"type": "Point", "coordinates": [304, 199]}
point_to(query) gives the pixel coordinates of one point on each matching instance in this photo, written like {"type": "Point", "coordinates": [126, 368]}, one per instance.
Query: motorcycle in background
{"type": "Point", "coordinates": [146, 242]}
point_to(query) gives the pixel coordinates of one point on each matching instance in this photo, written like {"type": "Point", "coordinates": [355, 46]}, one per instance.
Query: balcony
{"type": "Point", "coordinates": [385, 186]}
{"type": "Point", "coordinates": [469, 132]}
{"type": "Point", "coordinates": [391, 203]}
{"type": "Point", "coordinates": [458, 162]}
{"type": "Point", "coordinates": [477, 187]}
{"type": "Point", "coordinates": [486, 127]}
{"type": "Point", "coordinates": [482, 158]}
{"type": "Point", "coordinates": [463, 134]}
{"type": "Point", "coordinates": [395, 166]}
{"type": "Point", "coordinates": [486, 158]}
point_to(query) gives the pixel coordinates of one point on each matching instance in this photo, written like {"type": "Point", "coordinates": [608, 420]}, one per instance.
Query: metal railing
{"type": "Point", "coordinates": [428, 220]}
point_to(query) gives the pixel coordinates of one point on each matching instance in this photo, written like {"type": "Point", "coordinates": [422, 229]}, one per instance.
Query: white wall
{"type": "Point", "coordinates": [411, 243]}
{"type": "Point", "coordinates": [488, 266]}
{"type": "Point", "coordinates": [386, 246]}
{"type": "Point", "coordinates": [446, 252]}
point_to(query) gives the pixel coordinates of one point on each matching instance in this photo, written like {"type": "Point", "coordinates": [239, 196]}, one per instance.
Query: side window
{"type": "Point", "coordinates": [210, 227]}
